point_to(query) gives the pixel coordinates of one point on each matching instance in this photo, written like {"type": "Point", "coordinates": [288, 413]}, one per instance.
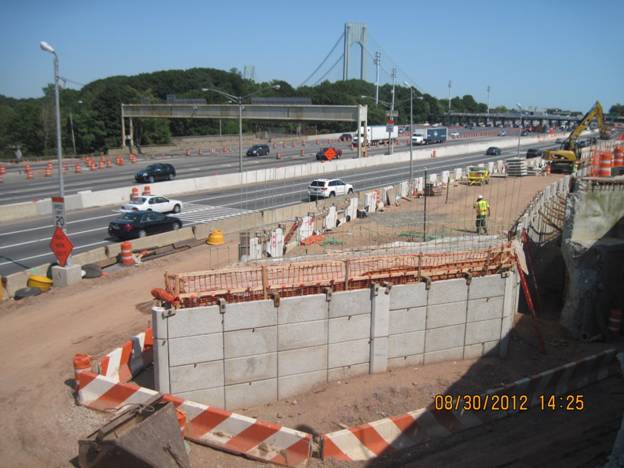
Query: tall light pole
{"type": "Point", "coordinates": [488, 99]}
{"type": "Point", "coordinates": [449, 104]}
{"type": "Point", "coordinates": [59, 147]}
{"type": "Point", "coordinates": [239, 100]}
{"type": "Point", "coordinates": [377, 62]}
{"type": "Point", "coordinates": [521, 128]}
{"type": "Point", "coordinates": [391, 127]}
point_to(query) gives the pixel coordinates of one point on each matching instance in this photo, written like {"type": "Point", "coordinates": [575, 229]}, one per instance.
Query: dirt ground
{"type": "Point", "coordinates": [40, 335]}
{"type": "Point", "coordinates": [446, 216]}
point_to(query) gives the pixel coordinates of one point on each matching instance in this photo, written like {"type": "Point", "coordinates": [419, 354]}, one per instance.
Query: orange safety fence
{"type": "Point", "coordinates": [256, 282]}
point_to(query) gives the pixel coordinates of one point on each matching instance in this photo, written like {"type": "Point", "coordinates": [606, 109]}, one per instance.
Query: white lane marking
{"type": "Point", "coordinates": [47, 239]}
{"type": "Point", "coordinates": [48, 227]}
{"type": "Point", "coordinates": [50, 254]}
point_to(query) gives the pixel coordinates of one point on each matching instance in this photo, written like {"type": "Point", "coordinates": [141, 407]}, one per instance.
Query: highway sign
{"type": "Point", "coordinates": [58, 209]}
{"type": "Point", "coordinates": [392, 113]}
{"type": "Point", "coordinates": [61, 246]}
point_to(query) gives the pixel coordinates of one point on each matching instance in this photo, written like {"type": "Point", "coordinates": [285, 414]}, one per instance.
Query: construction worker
{"type": "Point", "coordinates": [482, 207]}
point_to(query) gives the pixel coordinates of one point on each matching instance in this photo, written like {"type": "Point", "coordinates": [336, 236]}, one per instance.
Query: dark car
{"type": "Point", "coordinates": [141, 224]}
{"type": "Point", "coordinates": [329, 153]}
{"type": "Point", "coordinates": [346, 137]}
{"type": "Point", "coordinates": [155, 172]}
{"type": "Point", "coordinates": [524, 133]}
{"type": "Point", "coordinates": [258, 150]}
{"type": "Point", "coordinates": [493, 151]}
{"type": "Point", "coordinates": [533, 153]}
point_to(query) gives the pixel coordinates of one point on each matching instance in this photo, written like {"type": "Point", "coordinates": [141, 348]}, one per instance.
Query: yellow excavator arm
{"type": "Point", "coordinates": [568, 148]}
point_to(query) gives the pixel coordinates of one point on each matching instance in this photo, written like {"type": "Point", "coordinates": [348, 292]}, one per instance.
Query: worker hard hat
{"type": "Point", "coordinates": [480, 197]}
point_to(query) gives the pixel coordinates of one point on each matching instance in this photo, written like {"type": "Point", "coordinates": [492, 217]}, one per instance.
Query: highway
{"type": "Point", "coordinates": [17, 189]}
{"type": "Point", "coordinates": [24, 244]}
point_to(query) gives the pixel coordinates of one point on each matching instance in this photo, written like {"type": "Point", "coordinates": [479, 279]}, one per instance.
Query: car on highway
{"type": "Point", "coordinates": [454, 134]}
{"type": "Point", "coordinates": [152, 203]}
{"type": "Point", "coordinates": [524, 133]}
{"type": "Point", "coordinates": [141, 224]}
{"type": "Point", "coordinates": [502, 133]}
{"type": "Point", "coordinates": [533, 153]}
{"type": "Point", "coordinates": [328, 153]}
{"type": "Point", "coordinates": [346, 137]}
{"type": "Point", "coordinates": [258, 150]}
{"type": "Point", "coordinates": [493, 151]}
{"type": "Point", "coordinates": [156, 172]}
{"type": "Point", "coordinates": [328, 188]}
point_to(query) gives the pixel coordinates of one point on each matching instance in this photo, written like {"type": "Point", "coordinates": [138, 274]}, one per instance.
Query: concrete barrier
{"type": "Point", "coordinates": [88, 199]}
{"type": "Point", "coordinates": [255, 352]}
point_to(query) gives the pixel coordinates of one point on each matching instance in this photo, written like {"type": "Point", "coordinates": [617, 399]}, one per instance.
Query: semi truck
{"type": "Point", "coordinates": [429, 135]}
{"type": "Point", "coordinates": [376, 134]}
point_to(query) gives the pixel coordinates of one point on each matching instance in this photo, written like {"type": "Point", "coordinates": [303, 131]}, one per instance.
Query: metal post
{"type": "Point", "coordinates": [390, 142]}
{"type": "Point", "coordinates": [71, 124]}
{"type": "Point", "coordinates": [131, 141]}
{"type": "Point", "coordinates": [449, 104]}
{"type": "Point", "coordinates": [59, 146]}
{"type": "Point", "coordinates": [240, 134]}
{"type": "Point", "coordinates": [377, 63]}
{"type": "Point", "coordinates": [123, 127]}
{"type": "Point", "coordinates": [425, 208]}
{"type": "Point", "coordinates": [411, 166]}
{"type": "Point", "coordinates": [488, 99]}
{"type": "Point", "coordinates": [220, 132]}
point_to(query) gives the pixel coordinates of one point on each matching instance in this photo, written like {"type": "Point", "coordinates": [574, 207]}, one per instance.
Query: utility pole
{"type": "Point", "coordinates": [488, 99]}
{"type": "Point", "coordinates": [377, 62]}
{"type": "Point", "coordinates": [449, 104]}
{"type": "Point", "coordinates": [71, 124]}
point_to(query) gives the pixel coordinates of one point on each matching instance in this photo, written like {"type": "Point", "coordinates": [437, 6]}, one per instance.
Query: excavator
{"type": "Point", "coordinates": [569, 154]}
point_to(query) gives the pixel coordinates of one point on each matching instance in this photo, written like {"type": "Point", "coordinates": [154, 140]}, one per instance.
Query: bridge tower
{"type": "Point", "coordinates": [355, 33]}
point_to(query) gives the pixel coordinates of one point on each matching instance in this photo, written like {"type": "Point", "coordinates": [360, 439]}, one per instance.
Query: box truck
{"type": "Point", "coordinates": [376, 134]}
{"type": "Point", "coordinates": [429, 135]}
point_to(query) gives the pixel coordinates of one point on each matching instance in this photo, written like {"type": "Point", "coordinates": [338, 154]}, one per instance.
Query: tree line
{"type": "Point", "coordinates": [94, 111]}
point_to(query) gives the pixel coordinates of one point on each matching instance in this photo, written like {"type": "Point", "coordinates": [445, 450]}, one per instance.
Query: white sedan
{"type": "Point", "coordinates": [327, 188]}
{"type": "Point", "coordinates": [152, 203]}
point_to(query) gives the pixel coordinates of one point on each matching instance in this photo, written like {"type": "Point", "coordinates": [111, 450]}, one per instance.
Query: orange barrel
{"type": "Point", "coordinates": [102, 164]}
{"type": "Point", "coordinates": [2, 170]}
{"type": "Point", "coordinates": [109, 163]}
{"type": "Point", "coordinates": [618, 156]}
{"type": "Point", "coordinates": [126, 254]}
{"type": "Point", "coordinates": [147, 190]}
{"type": "Point", "coordinates": [92, 167]}
{"type": "Point", "coordinates": [606, 163]}
{"type": "Point", "coordinates": [595, 163]}
{"type": "Point", "coordinates": [615, 321]}
{"type": "Point", "coordinates": [82, 363]}
{"type": "Point", "coordinates": [29, 175]}
{"type": "Point", "coordinates": [77, 168]}
{"type": "Point", "coordinates": [48, 172]}
{"type": "Point", "coordinates": [135, 193]}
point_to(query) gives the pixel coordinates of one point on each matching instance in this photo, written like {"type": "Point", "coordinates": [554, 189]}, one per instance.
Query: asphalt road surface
{"type": "Point", "coordinates": [25, 244]}
{"type": "Point", "coordinates": [16, 188]}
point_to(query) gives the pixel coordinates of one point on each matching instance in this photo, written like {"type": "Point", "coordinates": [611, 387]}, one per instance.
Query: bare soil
{"type": "Point", "coordinates": [445, 217]}
{"type": "Point", "coordinates": [40, 335]}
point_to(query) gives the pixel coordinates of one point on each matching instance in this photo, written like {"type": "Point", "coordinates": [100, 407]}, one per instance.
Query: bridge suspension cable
{"type": "Point", "coordinates": [340, 38]}
{"type": "Point", "coordinates": [330, 70]}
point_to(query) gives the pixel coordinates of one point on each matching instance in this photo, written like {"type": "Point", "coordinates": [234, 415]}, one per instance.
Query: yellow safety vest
{"type": "Point", "coordinates": [482, 207]}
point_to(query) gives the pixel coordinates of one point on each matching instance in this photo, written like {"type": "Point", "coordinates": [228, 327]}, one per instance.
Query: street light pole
{"type": "Point", "coordinates": [520, 130]}
{"type": "Point", "coordinates": [488, 99]}
{"type": "Point", "coordinates": [449, 104]}
{"type": "Point", "coordinates": [411, 164]}
{"type": "Point", "coordinates": [391, 127]}
{"type": "Point", "coordinates": [240, 134]}
{"type": "Point", "coordinates": [239, 100]}
{"type": "Point", "coordinates": [59, 147]}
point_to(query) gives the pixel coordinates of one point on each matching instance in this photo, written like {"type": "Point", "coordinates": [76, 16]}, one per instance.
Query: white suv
{"type": "Point", "coordinates": [326, 188]}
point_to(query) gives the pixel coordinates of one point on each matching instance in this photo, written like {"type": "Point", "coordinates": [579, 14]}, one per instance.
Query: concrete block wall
{"type": "Point", "coordinates": [244, 354]}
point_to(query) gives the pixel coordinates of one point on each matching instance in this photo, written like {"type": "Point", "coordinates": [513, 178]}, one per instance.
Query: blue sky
{"type": "Point", "coordinates": [538, 53]}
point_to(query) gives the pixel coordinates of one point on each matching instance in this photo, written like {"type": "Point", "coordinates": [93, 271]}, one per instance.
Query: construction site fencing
{"type": "Point", "coordinates": [302, 278]}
